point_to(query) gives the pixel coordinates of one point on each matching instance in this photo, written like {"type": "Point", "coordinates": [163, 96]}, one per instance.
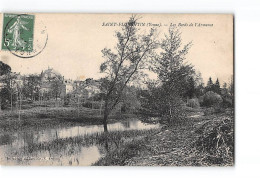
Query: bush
{"type": "Point", "coordinates": [92, 104]}
{"type": "Point", "coordinates": [5, 98]}
{"type": "Point", "coordinates": [67, 100]}
{"type": "Point", "coordinates": [216, 141]}
{"type": "Point", "coordinates": [193, 103]}
{"type": "Point", "coordinates": [174, 113]}
{"type": "Point", "coordinates": [211, 99]}
{"type": "Point", "coordinates": [227, 102]}
{"type": "Point", "coordinates": [87, 105]}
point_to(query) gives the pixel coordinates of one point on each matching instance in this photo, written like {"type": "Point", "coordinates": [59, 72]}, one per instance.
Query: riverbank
{"type": "Point", "coordinates": [48, 117]}
{"type": "Point", "coordinates": [200, 141]}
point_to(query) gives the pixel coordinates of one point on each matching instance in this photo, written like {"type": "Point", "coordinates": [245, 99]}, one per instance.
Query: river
{"type": "Point", "coordinates": [16, 148]}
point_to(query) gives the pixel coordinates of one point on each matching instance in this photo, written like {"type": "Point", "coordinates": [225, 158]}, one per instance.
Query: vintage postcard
{"type": "Point", "coordinates": [116, 89]}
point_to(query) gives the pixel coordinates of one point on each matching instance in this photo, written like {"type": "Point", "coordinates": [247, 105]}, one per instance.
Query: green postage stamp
{"type": "Point", "coordinates": [18, 32]}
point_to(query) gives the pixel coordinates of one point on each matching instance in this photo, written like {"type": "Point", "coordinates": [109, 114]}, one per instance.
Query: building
{"type": "Point", "coordinates": [48, 77]}
{"type": "Point", "coordinates": [51, 78]}
{"type": "Point", "coordinates": [92, 86]}
{"type": "Point", "coordinates": [68, 86]}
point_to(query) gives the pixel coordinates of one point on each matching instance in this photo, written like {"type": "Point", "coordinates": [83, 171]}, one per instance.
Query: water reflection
{"type": "Point", "coordinates": [52, 134]}
{"type": "Point", "coordinates": [16, 148]}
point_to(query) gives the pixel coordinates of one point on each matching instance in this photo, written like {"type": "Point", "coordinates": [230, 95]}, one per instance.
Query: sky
{"type": "Point", "coordinates": [75, 42]}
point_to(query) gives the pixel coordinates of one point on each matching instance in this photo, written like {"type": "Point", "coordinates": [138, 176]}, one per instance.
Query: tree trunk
{"type": "Point", "coordinates": [11, 102]}
{"type": "Point", "coordinates": [105, 117]}
{"type": "Point", "coordinates": [17, 101]}
{"type": "Point", "coordinates": [100, 108]}
{"type": "Point", "coordinates": [20, 105]}
{"type": "Point", "coordinates": [78, 107]}
{"type": "Point", "coordinates": [105, 122]}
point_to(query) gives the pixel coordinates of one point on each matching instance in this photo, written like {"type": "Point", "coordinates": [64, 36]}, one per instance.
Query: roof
{"type": "Point", "coordinates": [50, 72]}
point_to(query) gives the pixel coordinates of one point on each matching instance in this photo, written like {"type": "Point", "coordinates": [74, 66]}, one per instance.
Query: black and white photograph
{"type": "Point", "coordinates": [117, 90]}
